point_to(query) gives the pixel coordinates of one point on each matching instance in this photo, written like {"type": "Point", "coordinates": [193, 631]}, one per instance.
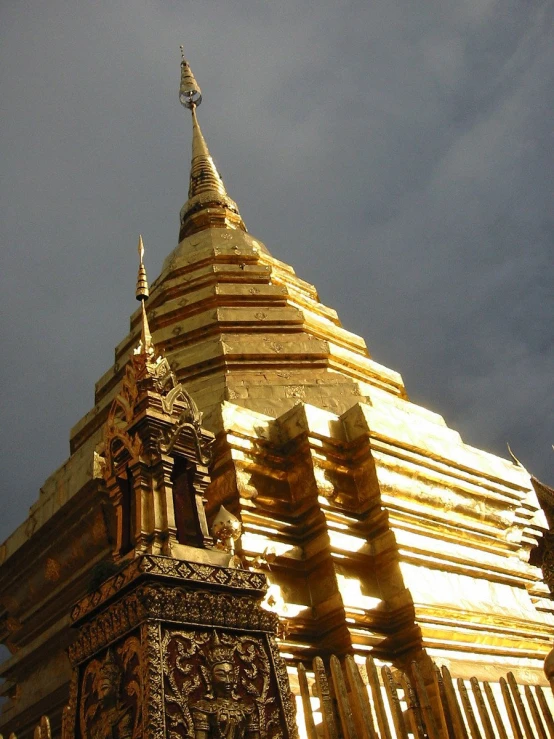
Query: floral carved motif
{"type": "Point", "coordinates": [153, 684]}
{"type": "Point", "coordinates": [220, 685]}
{"type": "Point", "coordinates": [111, 694]}
{"type": "Point", "coordinates": [167, 567]}
{"type": "Point", "coordinates": [170, 603]}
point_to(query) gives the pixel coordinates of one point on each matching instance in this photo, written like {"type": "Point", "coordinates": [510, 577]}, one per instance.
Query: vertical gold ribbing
{"type": "Point", "coordinates": [413, 711]}
{"type": "Point", "coordinates": [535, 715]}
{"type": "Point", "coordinates": [343, 704]}
{"type": "Point", "coordinates": [510, 708]}
{"type": "Point", "coordinates": [468, 710]}
{"type": "Point", "coordinates": [520, 707]}
{"type": "Point", "coordinates": [482, 708]}
{"type": "Point", "coordinates": [495, 712]}
{"type": "Point", "coordinates": [425, 704]}
{"type": "Point", "coordinates": [394, 703]}
{"type": "Point", "coordinates": [545, 709]}
{"type": "Point", "coordinates": [447, 725]}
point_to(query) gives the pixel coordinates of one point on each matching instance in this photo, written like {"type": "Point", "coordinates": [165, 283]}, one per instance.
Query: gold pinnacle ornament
{"type": "Point", "coordinates": [190, 94]}
{"type": "Point", "coordinates": [208, 204]}
{"type": "Point", "coordinates": [142, 294]}
{"type": "Point", "coordinates": [142, 281]}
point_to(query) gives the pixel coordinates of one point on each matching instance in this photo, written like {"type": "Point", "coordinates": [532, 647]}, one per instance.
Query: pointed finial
{"type": "Point", "coordinates": [190, 94]}
{"type": "Point", "coordinates": [142, 281]}
{"type": "Point", "coordinates": [142, 293]}
{"type": "Point", "coordinates": [208, 204]}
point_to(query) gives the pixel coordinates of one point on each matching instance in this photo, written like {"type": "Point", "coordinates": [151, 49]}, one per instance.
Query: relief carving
{"type": "Point", "coordinates": [111, 694]}
{"type": "Point", "coordinates": [220, 686]}
{"type": "Point", "coordinates": [171, 603]}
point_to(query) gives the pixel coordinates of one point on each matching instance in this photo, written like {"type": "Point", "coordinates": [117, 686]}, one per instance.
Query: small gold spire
{"type": "Point", "coordinates": [142, 293]}
{"type": "Point", "coordinates": [190, 94]}
{"type": "Point", "coordinates": [204, 176]}
{"type": "Point", "coordinates": [208, 204]}
{"type": "Point", "coordinates": [142, 281]}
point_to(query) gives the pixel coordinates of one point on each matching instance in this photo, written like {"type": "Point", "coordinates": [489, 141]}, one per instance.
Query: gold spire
{"type": "Point", "coordinates": [142, 293]}
{"type": "Point", "coordinates": [190, 93]}
{"type": "Point", "coordinates": [204, 176]}
{"type": "Point", "coordinates": [208, 205]}
{"type": "Point", "coordinates": [142, 281]}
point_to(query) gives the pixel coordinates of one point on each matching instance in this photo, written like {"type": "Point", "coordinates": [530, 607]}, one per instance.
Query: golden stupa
{"type": "Point", "coordinates": [380, 532]}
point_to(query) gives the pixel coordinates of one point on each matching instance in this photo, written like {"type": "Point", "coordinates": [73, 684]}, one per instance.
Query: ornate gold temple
{"type": "Point", "coordinates": [354, 522]}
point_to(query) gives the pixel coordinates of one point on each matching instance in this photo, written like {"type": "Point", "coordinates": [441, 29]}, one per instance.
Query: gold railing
{"type": "Point", "coordinates": [342, 701]}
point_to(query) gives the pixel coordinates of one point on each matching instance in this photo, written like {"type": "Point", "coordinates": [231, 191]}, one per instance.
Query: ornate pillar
{"type": "Point", "coordinates": [180, 649]}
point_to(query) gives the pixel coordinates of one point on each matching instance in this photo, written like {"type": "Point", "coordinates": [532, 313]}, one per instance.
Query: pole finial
{"type": "Point", "coordinates": [142, 281]}
{"type": "Point", "coordinates": [142, 293]}
{"type": "Point", "coordinates": [190, 94]}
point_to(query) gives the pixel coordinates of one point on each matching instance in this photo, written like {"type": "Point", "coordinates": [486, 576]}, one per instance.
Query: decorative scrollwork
{"type": "Point", "coordinates": [119, 444]}
{"type": "Point", "coordinates": [153, 687]}
{"type": "Point", "coordinates": [174, 604]}
{"type": "Point", "coordinates": [219, 685]}
{"type": "Point", "coordinates": [169, 568]}
{"type": "Point", "coordinates": [112, 694]}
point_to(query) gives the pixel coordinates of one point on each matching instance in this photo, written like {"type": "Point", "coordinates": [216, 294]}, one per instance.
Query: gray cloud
{"type": "Point", "coordinates": [398, 155]}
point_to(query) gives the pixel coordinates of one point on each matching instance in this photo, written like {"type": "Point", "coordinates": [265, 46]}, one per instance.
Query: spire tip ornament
{"type": "Point", "coordinates": [190, 94]}
{"type": "Point", "coordinates": [142, 294]}
{"type": "Point", "coordinates": [208, 205]}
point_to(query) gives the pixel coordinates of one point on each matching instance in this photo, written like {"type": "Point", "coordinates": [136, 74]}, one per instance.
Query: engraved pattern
{"type": "Point", "coordinates": [69, 713]}
{"type": "Point", "coordinates": [168, 567]}
{"type": "Point", "coordinates": [153, 694]}
{"type": "Point", "coordinates": [187, 679]}
{"type": "Point", "coordinates": [112, 695]}
{"type": "Point", "coordinates": [287, 699]}
{"type": "Point", "coordinates": [170, 603]}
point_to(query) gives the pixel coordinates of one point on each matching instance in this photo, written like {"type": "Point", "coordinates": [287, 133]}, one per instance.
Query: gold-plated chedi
{"type": "Point", "coordinates": [401, 566]}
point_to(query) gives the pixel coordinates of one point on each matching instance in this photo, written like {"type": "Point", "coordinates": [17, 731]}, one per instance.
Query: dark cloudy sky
{"type": "Point", "coordinates": [398, 153]}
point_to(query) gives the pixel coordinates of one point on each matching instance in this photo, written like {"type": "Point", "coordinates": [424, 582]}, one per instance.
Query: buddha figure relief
{"type": "Point", "coordinates": [221, 714]}
{"type": "Point", "coordinates": [108, 718]}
